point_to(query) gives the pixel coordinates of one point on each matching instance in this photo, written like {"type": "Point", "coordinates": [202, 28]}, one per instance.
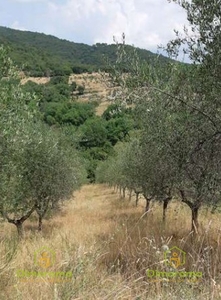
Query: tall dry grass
{"type": "Point", "coordinates": [108, 245]}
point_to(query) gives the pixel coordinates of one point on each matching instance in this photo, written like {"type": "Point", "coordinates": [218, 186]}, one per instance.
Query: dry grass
{"type": "Point", "coordinates": [38, 80]}
{"type": "Point", "coordinates": [93, 82]}
{"type": "Point", "coordinates": [108, 246]}
{"type": "Point", "coordinates": [102, 107]}
{"type": "Point", "coordinates": [96, 87]}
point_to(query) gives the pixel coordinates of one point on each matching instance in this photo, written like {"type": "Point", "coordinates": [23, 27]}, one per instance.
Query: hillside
{"type": "Point", "coordinates": [39, 54]}
{"type": "Point", "coordinates": [95, 85]}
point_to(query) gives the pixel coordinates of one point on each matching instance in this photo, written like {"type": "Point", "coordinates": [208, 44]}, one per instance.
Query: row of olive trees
{"type": "Point", "coordinates": [132, 169]}
{"type": "Point", "coordinates": [179, 109]}
{"type": "Point", "coordinates": [37, 166]}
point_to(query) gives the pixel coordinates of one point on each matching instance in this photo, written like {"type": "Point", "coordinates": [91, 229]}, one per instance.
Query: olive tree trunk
{"type": "Point", "coordinates": [148, 200]}
{"type": "Point", "coordinates": [41, 210]}
{"type": "Point", "coordinates": [194, 206]}
{"type": "Point", "coordinates": [165, 205]}
{"type": "Point", "coordinates": [19, 222]}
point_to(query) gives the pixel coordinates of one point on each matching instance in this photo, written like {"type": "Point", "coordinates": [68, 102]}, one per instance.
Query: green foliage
{"type": "Point", "coordinates": [53, 169]}
{"type": "Point", "coordinates": [114, 111]}
{"type": "Point", "coordinates": [37, 166]}
{"type": "Point", "coordinates": [16, 202]}
{"type": "Point", "coordinates": [43, 55]}
{"type": "Point", "coordinates": [67, 113]}
{"type": "Point", "coordinates": [63, 89]}
{"type": "Point", "coordinates": [179, 117]}
{"type": "Point", "coordinates": [73, 86]}
{"type": "Point", "coordinates": [118, 129]}
{"type": "Point", "coordinates": [59, 79]}
{"type": "Point", "coordinates": [97, 136]}
{"type": "Point", "coordinates": [112, 170]}
{"type": "Point", "coordinates": [80, 89]}
{"type": "Point", "coordinates": [93, 133]}
{"type": "Point", "coordinates": [55, 104]}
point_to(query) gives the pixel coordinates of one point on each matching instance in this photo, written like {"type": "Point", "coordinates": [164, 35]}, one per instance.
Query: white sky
{"type": "Point", "coordinates": [146, 23]}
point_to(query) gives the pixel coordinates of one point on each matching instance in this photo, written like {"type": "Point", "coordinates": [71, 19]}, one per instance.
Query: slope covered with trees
{"type": "Point", "coordinates": [95, 136]}
{"type": "Point", "coordinates": [39, 54]}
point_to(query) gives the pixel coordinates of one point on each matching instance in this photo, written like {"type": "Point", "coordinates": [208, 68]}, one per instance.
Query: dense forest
{"type": "Point", "coordinates": [38, 54]}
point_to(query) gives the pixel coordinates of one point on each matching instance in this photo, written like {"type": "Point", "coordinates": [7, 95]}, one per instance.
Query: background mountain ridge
{"type": "Point", "coordinates": [39, 54]}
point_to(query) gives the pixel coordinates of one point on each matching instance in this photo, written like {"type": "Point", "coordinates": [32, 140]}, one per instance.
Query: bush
{"type": "Point", "coordinates": [80, 89]}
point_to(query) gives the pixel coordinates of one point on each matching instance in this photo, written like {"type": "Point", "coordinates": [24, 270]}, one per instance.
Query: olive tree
{"type": "Point", "coordinates": [179, 144]}
{"type": "Point", "coordinates": [37, 167]}
{"type": "Point", "coordinates": [53, 170]}
{"type": "Point", "coordinates": [199, 95]}
{"type": "Point", "coordinates": [16, 204]}
{"type": "Point", "coordinates": [179, 112]}
{"type": "Point", "coordinates": [38, 171]}
{"type": "Point", "coordinates": [111, 170]}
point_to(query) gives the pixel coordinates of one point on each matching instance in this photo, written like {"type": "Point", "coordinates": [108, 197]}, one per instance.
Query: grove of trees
{"type": "Point", "coordinates": [176, 153]}
{"type": "Point", "coordinates": [94, 136]}
{"type": "Point", "coordinates": [165, 146]}
{"type": "Point", "coordinates": [39, 168]}
{"type": "Point", "coordinates": [38, 54]}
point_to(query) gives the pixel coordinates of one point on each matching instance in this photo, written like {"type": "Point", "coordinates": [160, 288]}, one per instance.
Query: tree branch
{"type": "Point", "coordinates": [22, 219]}
{"type": "Point", "coordinates": [188, 105]}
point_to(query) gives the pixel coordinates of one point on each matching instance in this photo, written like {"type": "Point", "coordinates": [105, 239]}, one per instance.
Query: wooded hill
{"type": "Point", "coordinates": [38, 54]}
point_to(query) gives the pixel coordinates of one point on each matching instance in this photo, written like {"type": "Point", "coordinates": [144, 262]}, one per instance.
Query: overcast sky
{"type": "Point", "coordinates": [146, 23]}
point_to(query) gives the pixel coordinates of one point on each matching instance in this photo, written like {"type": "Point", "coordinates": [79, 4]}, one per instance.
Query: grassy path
{"type": "Point", "coordinates": [87, 215]}
{"type": "Point", "coordinates": [75, 237]}
{"type": "Point", "coordinates": [106, 245]}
